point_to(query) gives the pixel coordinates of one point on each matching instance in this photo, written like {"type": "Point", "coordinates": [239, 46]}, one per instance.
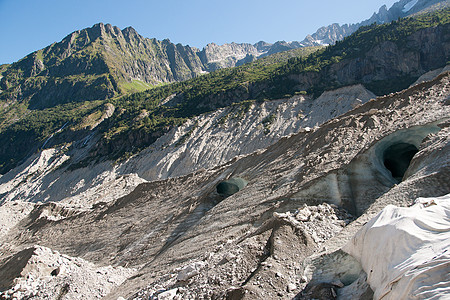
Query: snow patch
{"type": "Point", "coordinates": [408, 6]}
{"type": "Point", "coordinates": [322, 42]}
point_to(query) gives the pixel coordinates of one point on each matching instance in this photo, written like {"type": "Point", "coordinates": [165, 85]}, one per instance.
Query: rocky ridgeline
{"type": "Point", "coordinates": [104, 61]}
{"type": "Point", "coordinates": [328, 35]}
{"type": "Point", "coordinates": [114, 57]}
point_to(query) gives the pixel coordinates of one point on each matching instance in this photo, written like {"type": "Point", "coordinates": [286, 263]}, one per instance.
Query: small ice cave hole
{"type": "Point", "coordinates": [229, 187]}
{"type": "Point", "coordinates": [397, 157]}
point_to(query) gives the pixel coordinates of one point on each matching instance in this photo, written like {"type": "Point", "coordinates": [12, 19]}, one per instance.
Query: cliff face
{"type": "Point", "coordinates": [228, 55]}
{"type": "Point", "coordinates": [387, 66]}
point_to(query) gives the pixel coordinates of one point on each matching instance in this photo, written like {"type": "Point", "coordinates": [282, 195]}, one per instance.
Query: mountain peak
{"type": "Point", "coordinates": [129, 30]}
{"type": "Point", "coordinates": [383, 9]}
{"type": "Point", "coordinates": [262, 46]}
{"type": "Point", "coordinates": [130, 33]}
{"type": "Point", "coordinates": [330, 34]}
{"type": "Point", "coordinates": [101, 29]}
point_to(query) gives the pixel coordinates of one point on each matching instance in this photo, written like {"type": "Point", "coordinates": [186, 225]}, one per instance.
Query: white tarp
{"type": "Point", "coordinates": [406, 251]}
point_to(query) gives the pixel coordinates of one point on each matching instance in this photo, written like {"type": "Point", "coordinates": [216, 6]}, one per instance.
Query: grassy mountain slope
{"type": "Point", "coordinates": [96, 63]}
{"type": "Point", "coordinates": [103, 62]}
{"type": "Point", "coordinates": [384, 58]}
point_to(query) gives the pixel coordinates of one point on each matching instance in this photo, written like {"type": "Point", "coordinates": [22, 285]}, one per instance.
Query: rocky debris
{"type": "Point", "coordinates": [225, 267]}
{"type": "Point", "coordinates": [35, 167]}
{"type": "Point", "coordinates": [343, 97]}
{"type": "Point", "coordinates": [54, 211]}
{"type": "Point", "coordinates": [321, 222]}
{"type": "Point", "coordinates": [204, 142]}
{"type": "Point", "coordinates": [265, 263]}
{"type": "Point", "coordinates": [190, 271]}
{"type": "Point", "coordinates": [431, 74]}
{"type": "Point", "coordinates": [12, 213]}
{"type": "Point", "coordinates": [40, 273]}
{"type": "Point", "coordinates": [255, 243]}
{"type": "Point", "coordinates": [291, 241]}
{"type": "Point", "coordinates": [168, 295]}
{"type": "Point", "coordinates": [320, 291]}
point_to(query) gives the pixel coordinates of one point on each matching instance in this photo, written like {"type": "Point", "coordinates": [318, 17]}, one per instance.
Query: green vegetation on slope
{"type": "Point", "coordinates": [135, 86]}
{"type": "Point", "coordinates": [138, 116]}
{"type": "Point", "coordinates": [3, 68]}
{"type": "Point", "coordinates": [19, 139]}
{"type": "Point", "coordinates": [358, 44]}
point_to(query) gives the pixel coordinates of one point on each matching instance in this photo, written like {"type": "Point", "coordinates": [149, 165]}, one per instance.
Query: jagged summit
{"type": "Point", "coordinates": [116, 61]}
{"type": "Point", "coordinates": [328, 35]}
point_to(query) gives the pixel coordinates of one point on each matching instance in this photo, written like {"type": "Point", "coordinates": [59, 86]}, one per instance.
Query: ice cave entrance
{"type": "Point", "coordinates": [397, 157]}
{"type": "Point", "coordinates": [394, 153]}
{"type": "Point", "coordinates": [231, 186]}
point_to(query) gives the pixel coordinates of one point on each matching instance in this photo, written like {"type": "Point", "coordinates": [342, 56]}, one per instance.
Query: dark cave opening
{"type": "Point", "coordinates": [229, 187]}
{"type": "Point", "coordinates": [397, 157]}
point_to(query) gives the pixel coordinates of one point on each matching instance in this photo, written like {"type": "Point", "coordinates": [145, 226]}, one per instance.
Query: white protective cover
{"type": "Point", "coordinates": [406, 251]}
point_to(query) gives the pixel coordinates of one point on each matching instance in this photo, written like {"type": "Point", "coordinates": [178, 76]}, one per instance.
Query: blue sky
{"type": "Point", "coordinates": [29, 25]}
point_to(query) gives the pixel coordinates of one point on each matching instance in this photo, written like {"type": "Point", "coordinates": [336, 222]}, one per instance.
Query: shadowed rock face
{"type": "Point", "coordinates": [12, 267]}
